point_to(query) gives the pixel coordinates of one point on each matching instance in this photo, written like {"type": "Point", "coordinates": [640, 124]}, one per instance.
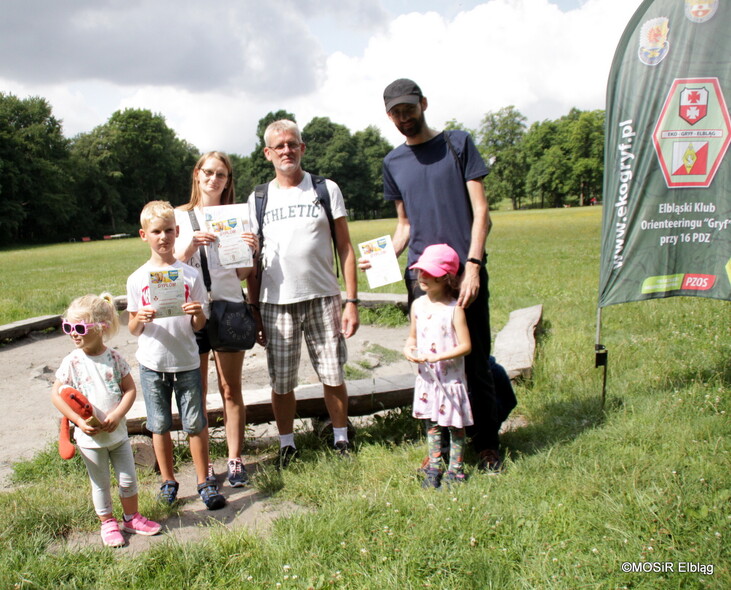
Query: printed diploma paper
{"type": "Point", "coordinates": [384, 264]}
{"type": "Point", "coordinates": [167, 292]}
{"type": "Point", "coordinates": [228, 222]}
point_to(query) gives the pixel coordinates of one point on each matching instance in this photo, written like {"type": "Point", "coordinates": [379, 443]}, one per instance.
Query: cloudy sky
{"type": "Point", "coordinates": [214, 69]}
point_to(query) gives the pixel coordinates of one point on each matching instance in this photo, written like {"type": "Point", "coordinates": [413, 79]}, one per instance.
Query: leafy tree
{"type": "Point", "coordinates": [500, 142]}
{"type": "Point", "coordinates": [35, 183]}
{"type": "Point", "coordinates": [373, 147]}
{"type": "Point", "coordinates": [586, 145]}
{"type": "Point", "coordinates": [538, 140]}
{"type": "Point", "coordinates": [453, 124]}
{"type": "Point", "coordinates": [130, 160]}
{"type": "Point", "coordinates": [565, 158]}
{"type": "Point", "coordinates": [243, 179]}
{"type": "Point", "coordinates": [332, 152]}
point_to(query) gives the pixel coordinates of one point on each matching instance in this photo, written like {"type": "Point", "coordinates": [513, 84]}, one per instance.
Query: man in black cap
{"type": "Point", "coordinates": [435, 180]}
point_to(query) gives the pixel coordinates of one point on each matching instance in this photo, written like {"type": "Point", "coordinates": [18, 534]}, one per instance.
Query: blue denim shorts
{"type": "Point", "coordinates": [158, 389]}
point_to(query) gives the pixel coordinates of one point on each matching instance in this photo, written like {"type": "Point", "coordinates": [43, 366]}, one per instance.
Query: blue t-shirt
{"type": "Point", "coordinates": [431, 185]}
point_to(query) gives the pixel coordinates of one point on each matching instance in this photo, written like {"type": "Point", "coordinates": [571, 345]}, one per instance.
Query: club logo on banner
{"type": "Point", "coordinates": [654, 43]}
{"type": "Point", "coordinates": [700, 12]}
{"type": "Point", "coordinates": [692, 133]}
{"type": "Point", "coordinates": [693, 104]}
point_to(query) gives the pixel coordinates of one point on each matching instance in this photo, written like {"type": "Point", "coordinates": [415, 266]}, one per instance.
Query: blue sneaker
{"type": "Point", "coordinates": [208, 491]}
{"type": "Point", "coordinates": [168, 492]}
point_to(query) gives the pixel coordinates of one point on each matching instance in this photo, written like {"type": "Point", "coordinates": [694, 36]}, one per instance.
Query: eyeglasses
{"type": "Point", "coordinates": [209, 173]}
{"type": "Point", "coordinates": [292, 145]}
{"type": "Point", "coordinates": [81, 328]}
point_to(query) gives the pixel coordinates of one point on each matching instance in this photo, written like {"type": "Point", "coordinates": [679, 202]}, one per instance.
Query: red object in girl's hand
{"type": "Point", "coordinates": [78, 403]}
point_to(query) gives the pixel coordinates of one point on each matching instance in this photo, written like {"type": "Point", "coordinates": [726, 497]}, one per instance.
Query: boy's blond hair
{"type": "Point", "coordinates": [156, 210]}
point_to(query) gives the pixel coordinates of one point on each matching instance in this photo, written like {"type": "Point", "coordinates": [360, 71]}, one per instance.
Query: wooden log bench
{"type": "Point", "coordinates": [515, 344]}
{"type": "Point", "coordinates": [365, 397]}
{"type": "Point", "coordinates": [514, 349]}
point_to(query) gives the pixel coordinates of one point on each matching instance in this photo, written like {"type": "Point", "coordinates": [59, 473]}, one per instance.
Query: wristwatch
{"type": "Point", "coordinates": [356, 301]}
{"type": "Point", "coordinates": [475, 261]}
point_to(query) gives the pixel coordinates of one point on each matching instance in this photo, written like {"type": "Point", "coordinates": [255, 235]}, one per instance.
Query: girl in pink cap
{"type": "Point", "coordinates": [438, 341]}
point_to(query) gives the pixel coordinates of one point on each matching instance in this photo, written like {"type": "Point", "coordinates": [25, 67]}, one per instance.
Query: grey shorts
{"type": "Point", "coordinates": [320, 322]}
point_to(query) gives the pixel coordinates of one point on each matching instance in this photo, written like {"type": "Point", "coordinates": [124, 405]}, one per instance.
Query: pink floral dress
{"type": "Point", "coordinates": [440, 392]}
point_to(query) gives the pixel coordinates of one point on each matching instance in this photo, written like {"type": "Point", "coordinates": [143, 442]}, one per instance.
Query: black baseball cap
{"type": "Point", "coordinates": [400, 91]}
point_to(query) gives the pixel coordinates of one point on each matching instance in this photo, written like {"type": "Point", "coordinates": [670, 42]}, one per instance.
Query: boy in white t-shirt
{"type": "Point", "coordinates": [168, 355]}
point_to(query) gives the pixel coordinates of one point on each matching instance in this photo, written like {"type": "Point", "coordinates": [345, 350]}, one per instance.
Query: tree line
{"type": "Point", "coordinates": [53, 188]}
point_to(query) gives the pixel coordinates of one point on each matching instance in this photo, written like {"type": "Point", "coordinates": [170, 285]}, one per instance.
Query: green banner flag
{"type": "Point", "coordinates": [666, 226]}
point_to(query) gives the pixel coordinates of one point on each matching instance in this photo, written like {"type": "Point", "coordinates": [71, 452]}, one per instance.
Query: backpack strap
{"type": "Point", "coordinates": [457, 159]}
{"type": "Point", "coordinates": [261, 192]}
{"type": "Point", "coordinates": [459, 163]}
{"type": "Point", "coordinates": [323, 198]}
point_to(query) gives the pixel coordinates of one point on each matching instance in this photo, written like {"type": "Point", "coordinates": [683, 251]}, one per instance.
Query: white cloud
{"type": "Point", "coordinates": [214, 70]}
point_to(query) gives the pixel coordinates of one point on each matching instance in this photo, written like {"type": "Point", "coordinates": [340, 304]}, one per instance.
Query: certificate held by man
{"type": "Point", "coordinates": [384, 264]}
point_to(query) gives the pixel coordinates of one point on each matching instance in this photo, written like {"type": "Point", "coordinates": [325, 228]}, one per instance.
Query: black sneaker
{"type": "Point", "coordinates": [342, 448]}
{"type": "Point", "coordinates": [432, 478]}
{"type": "Point", "coordinates": [168, 492]}
{"type": "Point", "coordinates": [237, 476]}
{"type": "Point", "coordinates": [286, 455]}
{"type": "Point", "coordinates": [208, 491]}
{"type": "Point", "coordinates": [490, 461]}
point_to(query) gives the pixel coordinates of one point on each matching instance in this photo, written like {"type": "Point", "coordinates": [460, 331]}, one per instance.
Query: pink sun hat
{"type": "Point", "coordinates": [438, 260]}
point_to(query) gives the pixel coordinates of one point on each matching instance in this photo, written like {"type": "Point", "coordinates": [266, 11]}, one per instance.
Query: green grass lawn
{"type": "Point", "coordinates": [584, 491]}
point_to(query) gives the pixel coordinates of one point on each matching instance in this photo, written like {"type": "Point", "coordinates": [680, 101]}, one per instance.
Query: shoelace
{"type": "Point", "coordinates": [236, 467]}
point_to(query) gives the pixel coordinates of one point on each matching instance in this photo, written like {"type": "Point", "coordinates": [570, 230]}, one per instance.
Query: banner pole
{"type": "Point", "coordinates": [600, 355]}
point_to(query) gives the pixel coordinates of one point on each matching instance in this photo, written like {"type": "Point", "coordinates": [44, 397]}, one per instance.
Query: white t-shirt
{"type": "Point", "coordinates": [98, 378]}
{"type": "Point", "coordinates": [166, 344]}
{"type": "Point", "coordinates": [225, 283]}
{"type": "Point", "coordinates": [297, 251]}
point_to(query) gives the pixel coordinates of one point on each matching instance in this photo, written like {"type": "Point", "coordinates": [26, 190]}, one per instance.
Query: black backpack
{"type": "Point", "coordinates": [323, 199]}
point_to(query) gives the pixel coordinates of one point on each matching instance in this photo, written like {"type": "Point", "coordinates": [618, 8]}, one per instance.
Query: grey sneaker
{"type": "Point", "coordinates": [237, 476]}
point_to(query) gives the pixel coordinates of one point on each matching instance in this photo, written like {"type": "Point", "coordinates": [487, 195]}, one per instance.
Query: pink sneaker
{"type": "Point", "coordinates": [110, 533]}
{"type": "Point", "coordinates": [140, 525]}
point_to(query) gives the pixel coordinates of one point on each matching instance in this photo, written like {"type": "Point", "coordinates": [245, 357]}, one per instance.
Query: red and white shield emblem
{"type": "Point", "coordinates": [693, 104]}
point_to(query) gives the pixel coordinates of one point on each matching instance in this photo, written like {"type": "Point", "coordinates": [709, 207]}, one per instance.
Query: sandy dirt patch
{"type": "Point", "coordinates": [29, 422]}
